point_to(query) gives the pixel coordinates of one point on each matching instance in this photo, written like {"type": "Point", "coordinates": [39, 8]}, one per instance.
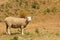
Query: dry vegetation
{"type": "Point", "coordinates": [45, 24]}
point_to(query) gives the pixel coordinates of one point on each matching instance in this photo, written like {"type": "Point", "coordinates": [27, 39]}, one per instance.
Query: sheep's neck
{"type": "Point", "coordinates": [26, 23]}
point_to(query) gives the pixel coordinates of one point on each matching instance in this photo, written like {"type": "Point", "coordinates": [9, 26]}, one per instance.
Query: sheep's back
{"type": "Point", "coordinates": [15, 21]}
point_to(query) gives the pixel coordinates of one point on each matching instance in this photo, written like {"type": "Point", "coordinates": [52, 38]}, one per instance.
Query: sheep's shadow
{"type": "Point", "coordinates": [12, 34]}
{"type": "Point", "coordinates": [15, 33]}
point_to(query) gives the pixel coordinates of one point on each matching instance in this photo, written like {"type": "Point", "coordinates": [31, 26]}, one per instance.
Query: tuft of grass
{"type": "Point", "coordinates": [8, 5]}
{"type": "Point", "coordinates": [22, 14]}
{"type": "Point", "coordinates": [43, 2]}
{"type": "Point", "coordinates": [27, 33]}
{"type": "Point", "coordinates": [2, 6]}
{"type": "Point", "coordinates": [14, 38]}
{"type": "Point", "coordinates": [47, 10]}
{"type": "Point", "coordinates": [26, 4]}
{"type": "Point", "coordinates": [17, 0]}
{"type": "Point", "coordinates": [54, 9]}
{"type": "Point", "coordinates": [37, 31]}
{"type": "Point", "coordinates": [57, 34]}
{"type": "Point", "coordinates": [35, 5]}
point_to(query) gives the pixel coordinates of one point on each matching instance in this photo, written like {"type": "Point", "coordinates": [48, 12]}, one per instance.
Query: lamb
{"type": "Point", "coordinates": [16, 22]}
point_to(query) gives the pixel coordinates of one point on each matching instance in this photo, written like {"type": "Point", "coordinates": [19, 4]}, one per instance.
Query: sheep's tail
{"type": "Point", "coordinates": [6, 24]}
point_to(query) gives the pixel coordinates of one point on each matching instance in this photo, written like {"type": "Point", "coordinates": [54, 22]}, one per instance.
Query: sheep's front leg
{"type": "Point", "coordinates": [9, 30]}
{"type": "Point", "coordinates": [22, 33]}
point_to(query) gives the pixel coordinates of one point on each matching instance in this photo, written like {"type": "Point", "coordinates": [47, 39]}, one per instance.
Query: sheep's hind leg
{"type": "Point", "coordinates": [8, 30]}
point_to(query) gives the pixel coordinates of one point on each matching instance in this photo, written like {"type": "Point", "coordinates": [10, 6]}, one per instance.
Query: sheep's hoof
{"type": "Point", "coordinates": [22, 34]}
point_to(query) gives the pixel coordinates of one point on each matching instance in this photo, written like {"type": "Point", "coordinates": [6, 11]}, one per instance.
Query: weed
{"type": "Point", "coordinates": [35, 5]}
{"type": "Point", "coordinates": [57, 34]}
{"type": "Point", "coordinates": [47, 10]}
{"type": "Point", "coordinates": [8, 5]}
{"type": "Point", "coordinates": [54, 9]}
{"type": "Point", "coordinates": [22, 14]}
{"type": "Point", "coordinates": [17, 0]}
{"type": "Point", "coordinates": [37, 31]}
{"type": "Point", "coordinates": [2, 6]}
{"type": "Point", "coordinates": [27, 33]}
{"type": "Point", "coordinates": [14, 38]}
{"type": "Point", "coordinates": [43, 2]}
{"type": "Point", "coordinates": [26, 4]}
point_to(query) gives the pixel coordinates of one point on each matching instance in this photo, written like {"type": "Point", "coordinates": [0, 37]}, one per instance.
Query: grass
{"type": "Point", "coordinates": [57, 34]}
{"type": "Point", "coordinates": [54, 10]}
{"type": "Point", "coordinates": [28, 34]}
{"type": "Point", "coordinates": [46, 11]}
{"type": "Point", "coordinates": [43, 2]}
{"type": "Point", "coordinates": [14, 38]}
{"type": "Point", "coordinates": [35, 5]}
{"type": "Point", "coordinates": [11, 6]}
{"type": "Point", "coordinates": [2, 6]}
{"type": "Point", "coordinates": [32, 36]}
{"type": "Point", "coordinates": [37, 31]}
{"type": "Point", "coordinates": [31, 7]}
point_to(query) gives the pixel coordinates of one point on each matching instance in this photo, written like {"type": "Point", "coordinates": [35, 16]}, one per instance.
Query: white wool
{"type": "Point", "coordinates": [29, 18]}
{"type": "Point", "coordinates": [19, 22]}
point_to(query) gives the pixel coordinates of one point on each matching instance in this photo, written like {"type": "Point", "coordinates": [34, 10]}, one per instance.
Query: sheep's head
{"type": "Point", "coordinates": [28, 18]}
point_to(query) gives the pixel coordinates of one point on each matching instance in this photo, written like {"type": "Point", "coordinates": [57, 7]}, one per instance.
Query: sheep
{"type": "Point", "coordinates": [16, 22]}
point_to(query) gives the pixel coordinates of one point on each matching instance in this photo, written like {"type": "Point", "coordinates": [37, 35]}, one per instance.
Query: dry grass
{"type": "Point", "coordinates": [45, 24]}
{"type": "Point", "coordinates": [22, 14]}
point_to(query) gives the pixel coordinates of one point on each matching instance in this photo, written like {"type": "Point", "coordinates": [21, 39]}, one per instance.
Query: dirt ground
{"type": "Point", "coordinates": [42, 27]}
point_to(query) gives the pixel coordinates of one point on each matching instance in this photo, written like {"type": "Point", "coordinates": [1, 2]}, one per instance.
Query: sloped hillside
{"type": "Point", "coordinates": [32, 7]}
{"type": "Point", "coordinates": [15, 7]}
{"type": "Point", "coordinates": [45, 24]}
